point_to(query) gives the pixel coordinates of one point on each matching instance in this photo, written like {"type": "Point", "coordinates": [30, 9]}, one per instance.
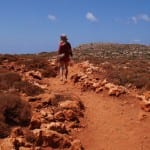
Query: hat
{"type": "Point", "coordinates": [63, 37]}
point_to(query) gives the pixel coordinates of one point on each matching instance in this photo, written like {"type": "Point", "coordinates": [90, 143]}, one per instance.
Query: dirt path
{"type": "Point", "coordinates": [111, 123]}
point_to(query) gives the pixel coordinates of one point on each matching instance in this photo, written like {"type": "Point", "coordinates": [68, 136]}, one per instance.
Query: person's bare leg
{"type": "Point", "coordinates": [61, 72]}
{"type": "Point", "coordinates": [66, 71]}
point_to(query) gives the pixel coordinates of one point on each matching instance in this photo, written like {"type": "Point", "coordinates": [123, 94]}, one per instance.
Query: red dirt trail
{"type": "Point", "coordinates": [111, 123]}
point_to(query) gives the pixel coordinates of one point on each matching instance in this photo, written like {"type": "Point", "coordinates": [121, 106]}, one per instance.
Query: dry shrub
{"type": "Point", "coordinates": [7, 79]}
{"type": "Point", "coordinates": [135, 72]}
{"type": "Point", "coordinates": [12, 80]}
{"type": "Point", "coordinates": [4, 128]}
{"type": "Point", "coordinates": [8, 57]}
{"type": "Point", "coordinates": [28, 88]}
{"type": "Point", "coordinates": [49, 72]}
{"type": "Point", "coordinates": [13, 111]}
{"type": "Point", "coordinates": [36, 63]}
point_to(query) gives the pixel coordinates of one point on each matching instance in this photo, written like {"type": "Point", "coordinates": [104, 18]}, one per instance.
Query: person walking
{"type": "Point", "coordinates": [64, 55]}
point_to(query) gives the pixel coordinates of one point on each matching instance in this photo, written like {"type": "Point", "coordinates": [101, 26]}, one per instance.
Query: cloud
{"type": "Point", "coordinates": [141, 17]}
{"type": "Point", "coordinates": [51, 17]}
{"type": "Point", "coordinates": [136, 41]}
{"type": "Point", "coordinates": [91, 17]}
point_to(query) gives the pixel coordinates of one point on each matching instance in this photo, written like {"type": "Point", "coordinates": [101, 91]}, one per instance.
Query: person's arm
{"type": "Point", "coordinates": [59, 49]}
{"type": "Point", "coordinates": [70, 50]}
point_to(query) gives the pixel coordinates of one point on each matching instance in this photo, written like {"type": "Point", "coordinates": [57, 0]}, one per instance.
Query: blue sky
{"type": "Point", "coordinates": [32, 26]}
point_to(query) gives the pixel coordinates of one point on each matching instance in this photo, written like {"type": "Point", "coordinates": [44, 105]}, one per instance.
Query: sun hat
{"type": "Point", "coordinates": [63, 37]}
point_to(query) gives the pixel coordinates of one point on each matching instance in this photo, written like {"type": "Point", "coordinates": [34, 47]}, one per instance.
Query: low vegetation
{"type": "Point", "coordinates": [13, 111]}
{"type": "Point", "coordinates": [124, 64]}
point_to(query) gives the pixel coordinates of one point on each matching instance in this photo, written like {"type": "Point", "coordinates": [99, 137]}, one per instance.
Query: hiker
{"type": "Point", "coordinates": [64, 54]}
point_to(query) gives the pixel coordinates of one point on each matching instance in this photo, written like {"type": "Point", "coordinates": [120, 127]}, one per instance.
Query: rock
{"type": "Point", "coordinates": [53, 139]}
{"type": "Point", "coordinates": [144, 97]}
{"type": "Point", "coordinates": [59, 116]}
{"type": "Point", "coordinates": [17, 131]}
{"type": "Point", "coordinates": [35, 74]}
{"type": "Point", "coordinates": [57, 126]}
{"type": "Point", "coordinates": [85, 64]}
{"type": "Point", "coordinates": [146, 106]}
{"type": "Point", "coordinates": [18, 142]}
{"type": "Point", "coordinates": [147, 95]}
{"type": "Point", "coordinates": [69, 104]}
{"type": "Point", "coordinates": [109, 85]}
{"type": "Point", "coordinates": [76, 145]}
{"type": "Point", "coordinates": [24, 148]}
{"type": "Point", "coordinates": [117, 90]}
{"type": "Point", "coordinates": [50, 117]}
{"type": "Point", "coordinates": [72, 125]}
{"type": "Point", "coordinates": [70, 115]}
{"type": "Point", "coordinates": [142, 116]}
{"type": "Point", "coordinates": [43, 113]}
{"type": "Point", "coordinates": [96, 85]}
{"type": "Point", "coordinates": [29, 136]}
{"type": "Point", "coordinates": [99, 89]}
{"type": "Point", "coordinates": [7, 144]}
{"type": "Point", "coordinates": [45, 148]}
{"type": "Point", "coordinates": [35, 123]}
{"type": "Point", "coordinates": [33, 99]}
{"type": "Point", "coordinates": [104, 82]}
{"type": "Point", "coordinates": [75, 78]}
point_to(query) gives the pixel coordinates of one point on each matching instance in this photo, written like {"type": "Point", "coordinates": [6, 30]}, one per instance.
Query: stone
{"type": "Point", "coordinates": [35, 123]}
{"type": "Point", "coordinates": [7, 144]}
{"type": "Point", "coordinates": [76, 145]}
{"type": "Point", "coordinates": [69, 104]}
{"type": "Point", "coordinates": [59, 116]}
{"type": "Point", "coordinates": [57, 126]}
{"type": "Point", "coordinates": [70, 115]}
{"type": "Point", "coordinates": [116, 91]}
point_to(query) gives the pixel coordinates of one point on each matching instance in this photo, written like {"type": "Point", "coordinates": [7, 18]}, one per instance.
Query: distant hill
{"type": "Point", "coordinates": [98, 51]}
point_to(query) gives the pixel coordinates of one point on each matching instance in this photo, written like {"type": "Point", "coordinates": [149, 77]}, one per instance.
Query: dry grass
{"type": "Point", "coordinates": [50, 72]}
{"type": "Point", "coordinates": [34, 62]}
{"type": "Point", "coordinates": [28, 88]}
{"type": "Point", "coordinates": [7, 79]}
{"type": "Point", "coordinates": [12, 80]}
{"type": "Point", "coordinates": [13, 111]}
{"type": "Point", "coordinates": [39, 63]}
{"type": "Point", "coordinates": [124, 72]}
{"type": "Point", "coordinates": [8, 57]}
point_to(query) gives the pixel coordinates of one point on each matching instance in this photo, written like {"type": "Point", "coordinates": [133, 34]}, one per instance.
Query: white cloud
{"type": "Point", "coordinates": [51, 17]}
{"type": "Point", "coordinates": [136, 41]}
{"type": "Point", "coordinates": [141, 17]}
{"type": "Point", "coordinates": [91, 17]}
{"type": "Point", "coordinates": [134, 19]}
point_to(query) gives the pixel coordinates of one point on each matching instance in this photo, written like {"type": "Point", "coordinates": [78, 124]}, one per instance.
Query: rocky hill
{"type": "Point", "coordinates": [110, 51]}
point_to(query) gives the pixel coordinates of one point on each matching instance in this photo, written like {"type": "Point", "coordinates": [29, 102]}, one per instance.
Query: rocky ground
{"type": "Point", "coordinates": [87, 112]}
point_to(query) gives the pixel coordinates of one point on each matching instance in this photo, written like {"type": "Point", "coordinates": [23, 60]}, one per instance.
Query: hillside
{"type": "Point", "coordinates": [104, 105]}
